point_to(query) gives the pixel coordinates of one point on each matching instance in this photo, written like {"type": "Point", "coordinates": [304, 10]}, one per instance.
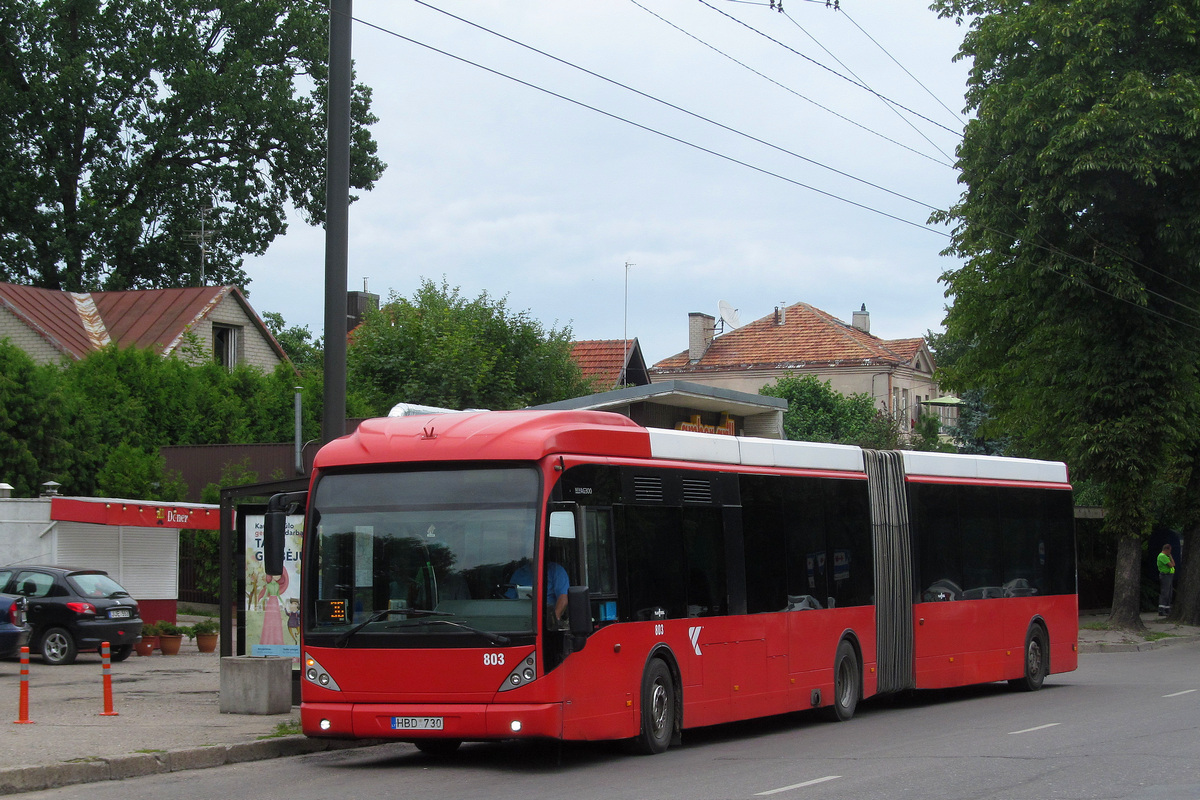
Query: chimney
{"type": "Point", "coordinates": [6, 491]}
{"type": "Point", "coordinates": [357, 306]}
{"type": "Point", "coordinates": [862, 319]}
{"type": "Point", "coordinates": [781, 314]}
{"type": "Point", "coordinates": [50, 488]}
{"type": "Point", "coordinates": [701, 329]}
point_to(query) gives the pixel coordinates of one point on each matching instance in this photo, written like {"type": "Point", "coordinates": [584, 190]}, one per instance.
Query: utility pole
{"type": "Point", "coordinates": [337, 218]}
{"type": "Point", "coordinates": [625, 331]}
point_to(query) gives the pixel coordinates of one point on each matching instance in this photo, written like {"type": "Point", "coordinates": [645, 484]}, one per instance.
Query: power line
{"type": "Point", "coordinates": [890, 107]}
{"type": "Point", "coordinates": [828, 69]}
{"type": "Point", "coordinates": [670, 105]}
{"type": "Point", "coordinates": [648, 129]}
{"type": "Point", "coordinates": [787, 88]}
{"type": "Point", "coordinates": [938, 100]}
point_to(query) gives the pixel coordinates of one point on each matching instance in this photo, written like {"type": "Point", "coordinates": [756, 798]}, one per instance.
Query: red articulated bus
{"type": "Point", "coordinates": [573, 575]}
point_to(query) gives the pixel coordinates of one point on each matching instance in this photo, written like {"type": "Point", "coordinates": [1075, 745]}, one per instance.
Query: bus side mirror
{"type": "Point", "coordinates": [579, 611]}
{"type": "Point", "coordinates": [279, 507]}
{"type": "Point", "coordinates": [274, 528]}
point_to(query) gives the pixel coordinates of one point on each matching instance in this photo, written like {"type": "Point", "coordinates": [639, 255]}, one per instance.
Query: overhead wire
{"type": "Point", "coordinates": [671, 105]}
{"type": "Point", "coordinates": [889, 106]}
{"type": "Point", "coordinates": [1090, 237]}
{"type": "Point", "coordinates": [647, 128]}
{"type": "Point", "coordinates": [1049, 248]}
{"type": "Point", "coordinates": [788, 89]}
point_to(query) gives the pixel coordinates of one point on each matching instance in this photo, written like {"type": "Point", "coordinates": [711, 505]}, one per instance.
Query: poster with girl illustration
{"type": "Point", "coordinates": [272, 602]}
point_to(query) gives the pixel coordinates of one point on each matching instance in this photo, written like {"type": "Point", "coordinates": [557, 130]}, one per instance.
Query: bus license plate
{"type": "Point", "coordinates": [416, 723]}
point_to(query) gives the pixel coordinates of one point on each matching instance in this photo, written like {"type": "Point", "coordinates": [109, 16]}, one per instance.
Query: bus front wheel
{"type": "Point", "coordinates": [658, 709]}
{"type": "Point", "coordinates": [1037, 661]}
{"type": "Point", "coordinates": [847, 683]}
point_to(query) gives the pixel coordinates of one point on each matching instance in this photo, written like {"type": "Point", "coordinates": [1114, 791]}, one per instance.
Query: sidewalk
{"type": "Point", "coordinates": [1094, 639]}
{"type": "Point", "coordinates": [168, 719]}
{"type": "Point", "coordinates": [168, 715]}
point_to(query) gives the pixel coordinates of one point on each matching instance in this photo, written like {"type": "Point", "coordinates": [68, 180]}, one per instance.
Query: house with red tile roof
{"type": "Point", "coordinates": [801, 339]}
{"type": "Point", "coordinates": [51, 325]}
{"type": "Point", "coordinates": [611, 363]}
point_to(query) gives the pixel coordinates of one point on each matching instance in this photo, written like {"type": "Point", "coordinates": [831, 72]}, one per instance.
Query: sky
{"type": "Point", "coordinates": [722, 149]}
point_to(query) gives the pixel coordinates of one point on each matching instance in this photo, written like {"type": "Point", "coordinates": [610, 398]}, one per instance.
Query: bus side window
{"type": "Point", "coordinates": [600, 563]}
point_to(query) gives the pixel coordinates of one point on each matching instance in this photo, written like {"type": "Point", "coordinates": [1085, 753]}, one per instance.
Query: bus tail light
{"type": "Point", "coordinates": [525, 673]}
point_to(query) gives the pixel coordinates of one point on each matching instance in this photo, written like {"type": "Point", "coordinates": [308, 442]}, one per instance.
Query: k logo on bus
{"type": "Point", "coordinates": [694, 635]}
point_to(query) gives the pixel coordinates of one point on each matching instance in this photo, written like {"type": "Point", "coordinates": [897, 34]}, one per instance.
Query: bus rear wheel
{"type": "Point", "coordinates": [847, 684]}
{"type": "Point", "coordinates": [658, 710]}
{"type": "Point", "coordinates": [1037, 661]}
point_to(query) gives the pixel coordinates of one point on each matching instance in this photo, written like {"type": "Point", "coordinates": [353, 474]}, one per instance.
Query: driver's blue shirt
{"type": "Point", "coordinates": [557, 581]}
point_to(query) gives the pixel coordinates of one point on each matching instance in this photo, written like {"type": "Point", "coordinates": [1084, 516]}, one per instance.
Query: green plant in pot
{"type": "Point", "coordinates": [205, 633]}
{"type": "Point", "coordinates": [170, 638]}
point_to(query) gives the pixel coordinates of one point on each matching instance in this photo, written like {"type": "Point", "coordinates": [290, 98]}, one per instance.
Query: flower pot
{"type": "Point", "coordinates": [170, 643]}
{"type": "Point", "coordinates": [145, 647]}
{"type": "Point", "coordinates": [206, 642]}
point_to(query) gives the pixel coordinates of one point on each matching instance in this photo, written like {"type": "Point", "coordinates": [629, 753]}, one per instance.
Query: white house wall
{"type": "Point", "coordinates": [26, 532]}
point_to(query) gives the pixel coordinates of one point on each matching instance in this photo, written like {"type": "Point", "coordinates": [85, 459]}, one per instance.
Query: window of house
{"type": "Point", "coordinates": [226, 340]}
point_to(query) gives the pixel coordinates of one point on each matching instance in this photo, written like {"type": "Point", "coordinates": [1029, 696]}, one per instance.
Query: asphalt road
{"type": "Point", "coordinates": [1125, 725]}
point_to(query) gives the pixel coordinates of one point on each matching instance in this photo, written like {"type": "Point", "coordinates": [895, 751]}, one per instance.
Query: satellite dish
{"type": "Point", "coordinates": [729, 315]}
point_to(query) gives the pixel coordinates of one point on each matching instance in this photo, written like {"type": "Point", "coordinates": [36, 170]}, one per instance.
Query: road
{"type": "Point", "coordinates": [1125, 725]}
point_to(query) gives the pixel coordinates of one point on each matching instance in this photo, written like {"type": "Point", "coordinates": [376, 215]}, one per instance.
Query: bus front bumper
{"type": "Point", "coordinates": [407, 722]}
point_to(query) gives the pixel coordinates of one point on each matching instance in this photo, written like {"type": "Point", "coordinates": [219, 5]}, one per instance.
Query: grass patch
{"type": "Point", "coordinates": [289, 728]}
{"type": "Point", "coordinates": [150, 750]}
{"type": "Point", "coordinates": [1154, 636]}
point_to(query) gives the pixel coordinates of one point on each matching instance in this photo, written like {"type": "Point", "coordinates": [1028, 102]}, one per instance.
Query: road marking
{"type": "Point", "coordinates": [813, 782]}
{"type": "Point", "coordinates": [1185, 691]}
{"type": "Point", "coordinates": [1038, 728]}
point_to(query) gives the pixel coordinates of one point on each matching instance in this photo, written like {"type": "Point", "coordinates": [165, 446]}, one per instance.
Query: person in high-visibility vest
{"type": "Point", "coordinates": [1166, 575]}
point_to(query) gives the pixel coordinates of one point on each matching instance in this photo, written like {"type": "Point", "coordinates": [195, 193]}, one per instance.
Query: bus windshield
{"type": "Point", "coordinates": [399, 557]}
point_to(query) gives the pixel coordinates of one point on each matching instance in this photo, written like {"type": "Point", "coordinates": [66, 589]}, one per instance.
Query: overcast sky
{"type": "Point", "coordinates": [500, 187]}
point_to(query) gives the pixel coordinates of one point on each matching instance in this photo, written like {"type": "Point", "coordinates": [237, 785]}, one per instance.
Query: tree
{"type": "Point", "coordinates": [121, 121]}
{"type": "Point", "coordinates": [441, 349]}
{"type": "Point", "coordinates": [1080, 234]}
{"type": "Point", "coordinates": [306, 352]}
{"type": "Point", "coordinates": [818, 413]}
{"type": "Point", "coordinates": [32, 448]}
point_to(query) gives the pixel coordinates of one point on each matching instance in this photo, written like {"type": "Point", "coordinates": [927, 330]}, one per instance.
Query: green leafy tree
{"type": "Point", "coordinates": [305, 351]}
{"type": "Point", "coordinates": [120, 120]}
{"type": "Point", "coordinates": [32, 446]}
{"type": "Point", "coordinates": [441, 349]}
{"type": "Point", "coordinates": [1079, 231]}
{"type": "Point", "coordinates": [818, 413]}
{"type": "Point", "coordinates": [137, 474]}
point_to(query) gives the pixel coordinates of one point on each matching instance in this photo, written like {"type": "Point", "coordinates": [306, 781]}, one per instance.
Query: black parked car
{"type": "Point", "coordinates": [14, 633]}
{"type": "Point", "coordinates": [74, 609]}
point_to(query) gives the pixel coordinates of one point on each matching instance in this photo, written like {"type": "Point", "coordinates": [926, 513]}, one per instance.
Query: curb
{"type": "Point", "coordinates": [70, 773]}
{"type": "Point", "coordinates": [1135, 647]}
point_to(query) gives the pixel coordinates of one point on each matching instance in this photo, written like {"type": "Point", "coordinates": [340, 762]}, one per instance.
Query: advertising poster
{"type": "Point", "coordinates": [272, 602]}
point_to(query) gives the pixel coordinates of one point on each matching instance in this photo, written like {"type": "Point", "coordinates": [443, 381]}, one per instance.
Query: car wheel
{"type": "Point", "coordinates": [58, 647]}
{"type": "Point", "coordinates": [120, 652]}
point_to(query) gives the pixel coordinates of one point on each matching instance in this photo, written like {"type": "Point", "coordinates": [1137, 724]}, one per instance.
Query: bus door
{"type": "Point", "coordinates": [598, 693]}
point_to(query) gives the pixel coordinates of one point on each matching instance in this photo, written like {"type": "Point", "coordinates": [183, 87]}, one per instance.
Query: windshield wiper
{"type": "Point", "coordinates": [344, 639]}
{"type": "Point", "coordinates": [494, 638]}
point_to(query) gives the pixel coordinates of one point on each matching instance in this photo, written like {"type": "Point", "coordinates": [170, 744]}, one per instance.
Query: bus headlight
{"type": "Point", "coordinates": [315, 673]}
{"type": "Point", "coordinates": [525, 672]}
